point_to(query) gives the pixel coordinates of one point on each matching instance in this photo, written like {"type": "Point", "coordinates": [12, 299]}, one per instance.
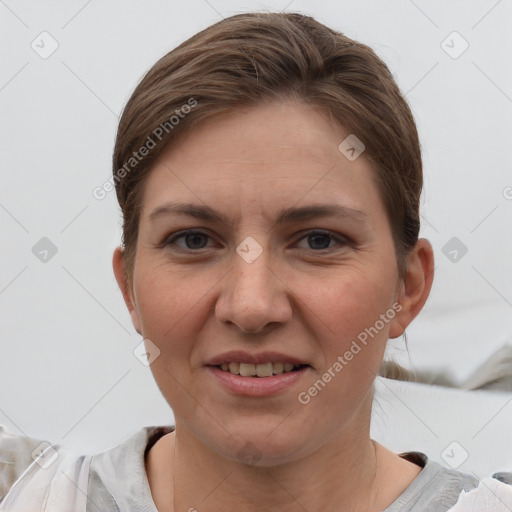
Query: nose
{"type": "Point", "coordinates": [253, 297]}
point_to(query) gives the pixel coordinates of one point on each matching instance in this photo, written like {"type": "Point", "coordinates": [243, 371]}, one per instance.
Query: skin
{"type": "Point", "coordinates": [197, 298]}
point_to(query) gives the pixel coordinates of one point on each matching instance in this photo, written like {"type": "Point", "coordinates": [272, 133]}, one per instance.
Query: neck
{"type": "Point", "coordinates": [339, 476]}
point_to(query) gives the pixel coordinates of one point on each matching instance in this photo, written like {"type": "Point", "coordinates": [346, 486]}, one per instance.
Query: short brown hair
{"type": "Point", "coordinates": [254, 57]}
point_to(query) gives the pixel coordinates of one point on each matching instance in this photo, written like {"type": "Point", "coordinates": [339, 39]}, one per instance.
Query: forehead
{"type": "Point", "coordinates": [259, 153]}
{"type": "Point", "coordinates": [271, 132]}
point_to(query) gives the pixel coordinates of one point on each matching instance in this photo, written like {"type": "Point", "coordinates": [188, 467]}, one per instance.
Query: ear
{"type": "Point", "coordinates": [119, 271]}
{"type": "Point", "coordinates": [415, 288]}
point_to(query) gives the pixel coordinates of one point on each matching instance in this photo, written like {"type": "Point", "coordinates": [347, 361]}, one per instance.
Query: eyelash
{"type": "Point", "coordinates": [342, 240]}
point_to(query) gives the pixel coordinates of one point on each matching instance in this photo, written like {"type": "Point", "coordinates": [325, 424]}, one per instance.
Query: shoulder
{"type": "Point", "coordinates": [35, 472]}
{"type": "Point", "coordinates": [17, 453]}
{"type": "Point", "coordinates": [490, 494]}
{"type": "Point", "coordinates": [437, 488]}
{"type": "Point", "coordinates": [118, 475]}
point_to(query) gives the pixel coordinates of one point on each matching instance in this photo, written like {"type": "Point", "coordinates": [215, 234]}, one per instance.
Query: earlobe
{"type": "Point", "coordinates": [396, 328]}
{"type": "Point", "coordinates": [120, 275]}
{"type": "Point", "coordinates": [415, 289]}
{"type": "Point", "coordinates": [135, 320]}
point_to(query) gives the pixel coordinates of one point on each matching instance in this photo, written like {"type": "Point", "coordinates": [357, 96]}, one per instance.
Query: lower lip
{"type": "Point", "coordinates": [257, 386]}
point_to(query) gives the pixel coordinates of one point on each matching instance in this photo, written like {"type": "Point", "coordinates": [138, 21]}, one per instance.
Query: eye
{"type": "Point", "coordinates": [320, 240]}
{"type": "Point", "coordinates": [193, 240]}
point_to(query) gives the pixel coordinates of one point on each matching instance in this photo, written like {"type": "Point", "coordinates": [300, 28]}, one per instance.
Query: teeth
{"type": "Point", "coordinates": [247, 370]}
{"type": "Point", "coordinates": [278, 368]}
{"type": "Point", "coordinates": [264, 370]}
{"type": "Point", "coordinates": [257, 370]}
{"type": "Point", "coordinates": [234, 368]}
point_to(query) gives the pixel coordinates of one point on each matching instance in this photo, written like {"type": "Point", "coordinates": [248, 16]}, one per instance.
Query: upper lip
{"type": "Point", "coordinates": [240, 356]}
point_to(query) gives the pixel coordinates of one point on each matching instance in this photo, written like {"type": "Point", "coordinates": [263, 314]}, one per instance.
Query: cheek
{"type": "Point", "coordinates": [347, 324]}
{"type": "Point", "coordinates": [343, 317]}
{"type": "Point", "coordinates": [347, 303]}
{"type": "Point", "coordinates": [169, 305]}
{"type": "Point", "coordinates": [174, 306]}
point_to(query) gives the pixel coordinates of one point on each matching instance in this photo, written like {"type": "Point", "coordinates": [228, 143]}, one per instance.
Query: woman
{"type": "Point", "coordinates": [269, 174]}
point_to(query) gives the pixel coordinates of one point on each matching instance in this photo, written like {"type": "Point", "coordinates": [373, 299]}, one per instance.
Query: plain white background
{"type": "Point", "coordinates": [67, 369]}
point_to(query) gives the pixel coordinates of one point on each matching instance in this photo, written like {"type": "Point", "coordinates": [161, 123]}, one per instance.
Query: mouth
{"type": "Point", "coordinates": [260, 374]}
{"type": "Point", "coordinates": [261, 370]}
{"type": "Point", "coordinates": [258, 380]}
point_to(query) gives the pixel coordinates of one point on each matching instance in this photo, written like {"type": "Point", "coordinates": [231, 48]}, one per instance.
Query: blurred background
{"type": "Point", "coordinates": [68, 372]}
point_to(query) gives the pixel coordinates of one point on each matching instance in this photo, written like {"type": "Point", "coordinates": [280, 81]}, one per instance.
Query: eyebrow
{"type": "Point", "coordinates": [287, 215]}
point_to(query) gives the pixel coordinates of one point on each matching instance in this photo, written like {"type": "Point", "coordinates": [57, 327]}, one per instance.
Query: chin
{"type": "Point", "coordinates": [262, 447]}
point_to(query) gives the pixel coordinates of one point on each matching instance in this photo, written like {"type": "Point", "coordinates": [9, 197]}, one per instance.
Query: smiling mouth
{"type": "Point", "coordinates": [259, 370]}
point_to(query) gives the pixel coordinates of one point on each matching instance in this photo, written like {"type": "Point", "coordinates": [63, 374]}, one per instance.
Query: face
{"type": "Point", "coordinates": [284, 254]}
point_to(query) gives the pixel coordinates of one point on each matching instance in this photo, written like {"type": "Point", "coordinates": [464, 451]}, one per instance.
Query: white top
{"type": "Point", "coordinates": [38, 477]}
